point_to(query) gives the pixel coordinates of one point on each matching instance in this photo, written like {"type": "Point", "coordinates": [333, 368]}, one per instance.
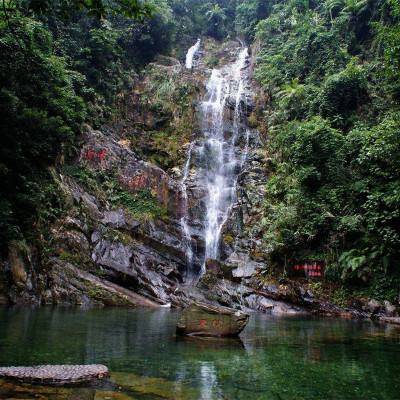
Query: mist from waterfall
{"type": "Point", "coordinates": [190, 54]}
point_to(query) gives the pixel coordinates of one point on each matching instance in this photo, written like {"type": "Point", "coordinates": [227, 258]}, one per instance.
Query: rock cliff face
{"type": "Point", "coordinates": [120, 240]}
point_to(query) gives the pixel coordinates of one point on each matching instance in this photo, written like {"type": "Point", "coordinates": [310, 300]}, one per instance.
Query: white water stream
{"type": "Point", "coordinates": [185, 218]}
{"type": "Point", "coordinates": [190, 54]}
{"type": "Point", "coordinates": [217, 157]}
{"type": "Point", "coordinates": [222, 175]}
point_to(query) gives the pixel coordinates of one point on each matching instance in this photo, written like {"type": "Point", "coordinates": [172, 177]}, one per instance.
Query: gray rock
{"type": "Point", "coordinates": [91, 206]}
{"type": "Point", "coordinates": [244, 271]}
{"type": "Point", "coordinates": [213, 267]}
{"type": "Point", "coordinates": [114, 219]}
{"type": "Point", "coordinates": [390, 309]}
{"type": "Point", "coordinates": [74, 241]}
{"type": "Point", "coordinates": [96, 236]}
{"type": "Point", "coordinates": [374, 306]}
{"type": "Point", "coordinates": [112, 254]}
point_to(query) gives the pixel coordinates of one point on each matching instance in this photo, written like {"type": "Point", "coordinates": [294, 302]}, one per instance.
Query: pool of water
{"type": "Point", "coordinates": [277, 358]}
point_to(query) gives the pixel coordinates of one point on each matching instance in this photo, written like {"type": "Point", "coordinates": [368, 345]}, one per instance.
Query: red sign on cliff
{"type": "Point", "coordinates": [312, 270]}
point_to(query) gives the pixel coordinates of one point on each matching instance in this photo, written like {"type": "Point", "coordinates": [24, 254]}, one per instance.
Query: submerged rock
{"type": "Point", "coordinates": [200, 319]}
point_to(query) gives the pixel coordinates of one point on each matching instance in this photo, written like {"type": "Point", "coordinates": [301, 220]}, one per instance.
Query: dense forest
{"type": "Point", "coordinates": [328, 89]}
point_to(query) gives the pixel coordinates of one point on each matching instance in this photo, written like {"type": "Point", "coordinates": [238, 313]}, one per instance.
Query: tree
{"type": "Point", "coordinates": [332, 5]}
{"type": "Point", "coordinates": [390, 35]}
{"type": "Point", "coordinates": [216, 16]}
{"type": "Point", "coordinates": [248, 14]}
{"type": "Point", "coordinates": [40, 115]}
{"type": "Point", "coordinates": [96, 8]}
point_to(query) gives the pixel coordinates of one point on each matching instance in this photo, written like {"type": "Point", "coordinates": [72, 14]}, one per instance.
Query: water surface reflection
{"type": "Point", "coordinates": [274, 358]}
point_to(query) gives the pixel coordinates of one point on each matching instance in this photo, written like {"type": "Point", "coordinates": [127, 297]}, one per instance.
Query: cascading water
{"type": "Point", "coordinates": [217, 159]}
{"type": "Point", "coordinates": [184, 219]}
{"type": "Point", "coordinates": [190, 54]}
{"type": "Point", "coordinates": [223, 161]}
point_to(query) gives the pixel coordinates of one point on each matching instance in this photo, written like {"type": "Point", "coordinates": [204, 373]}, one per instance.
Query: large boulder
{"type": "Point", "coordinates": [200, 319]}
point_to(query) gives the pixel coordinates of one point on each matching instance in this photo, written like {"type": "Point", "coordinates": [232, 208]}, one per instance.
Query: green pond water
{"type": "Point", "coordinates": [275, 358]}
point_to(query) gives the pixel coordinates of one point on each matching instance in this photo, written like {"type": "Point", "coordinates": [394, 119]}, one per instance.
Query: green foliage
{"type": "Point", "coordinates": [248, 14]}
{"type": "Point", "coordinates": [339, 196]}
{"type": "Point", "coordinates": [216, 17]}
{"type": "Point", "coordinates": [333, 192]}
{"type": "Point", "coordinates": [342, 94]}
{"type": "Point", "coordinates": [41, 114]}
{"type": "Point", "coordinates": [169, 96]}
{"type": "Point", "coordinates": [140, 204]}
{"type": "Point", "coordinates": [197, 18]}
{"type": "Point", "coordinates": [389, 33]}
{"type": "Point", "coordinates": [96, 8]}
{"type": "Point", "coordinates": [53, 76]}
{"type": "Point", "coordinates": [103, 54]}
{"type": "Point", "coordinates": [142, 42]}
{"type": "Point", "coordinates": [105, 186]}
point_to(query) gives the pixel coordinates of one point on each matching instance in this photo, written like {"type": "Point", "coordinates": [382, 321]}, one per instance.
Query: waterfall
{"type": "Point", "coordinates": [187, 238]}
{"type": "Point", "coordinates": [191, 52]}
{"type": "Point", "coordinates": [221, 178]}
{"type": "Point", "coordinates": [218, 159]}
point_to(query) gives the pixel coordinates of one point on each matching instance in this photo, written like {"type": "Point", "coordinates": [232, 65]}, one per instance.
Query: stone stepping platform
{"type": "Point", "coordinates": [58, 374]}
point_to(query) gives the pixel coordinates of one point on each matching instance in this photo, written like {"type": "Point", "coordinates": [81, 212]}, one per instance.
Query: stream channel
{"type": "Point", "coordinates": [277, 358]}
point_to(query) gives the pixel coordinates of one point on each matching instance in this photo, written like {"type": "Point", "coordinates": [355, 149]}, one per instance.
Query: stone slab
{"type": "Point", "coordinates": [200, 319]}
{"type": "Point", "coordinates": [58, 374]}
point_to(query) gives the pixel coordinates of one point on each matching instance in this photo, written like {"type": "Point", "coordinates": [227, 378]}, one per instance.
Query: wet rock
{"type": "Point", "coordinates": [390, 309]}
{"type": "Point", "coordinates": [390, 320]}
{"type": "Point", "coordinates": [89, 203]}
{"type": "Point", "coordinates": [112, 254]}
{"type": "Point", "coordinates": [17, 256]}
{"type": "Point", "coordinates": [96, 236]}
{"type": "Point", "coordinates": [74, 241]}
{"type": "Point", "coordinates": [268, 305]}
{"type": "Point", "coordinates": [146, 176]}
{"type": "Point", "coordinates": [72, 286]}
{"type": "Point", "coordinates": [374, 307]}
{"type": "Point", "coordinates": [245, 271]}
{"type": "Point", "coordinates": [199, 319]}
{"type": "Point", "coordinates": [21, 275]}
{"type": "Point", "coordinates": [114, 219]}
{"type": "Point", "coordinates": [213, 267]}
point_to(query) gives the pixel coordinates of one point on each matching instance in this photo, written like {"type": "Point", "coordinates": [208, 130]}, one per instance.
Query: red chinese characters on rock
{"type": "Point", "coordinates": [138, 182]}
{"type": "Point", "coordinates": [217, 323]}
{"type": "Point", "coordinates": [90, 155]}
{"type": "Point", "coordinates": [102, 155]}
{"type": "Point", "coordinates": [202, 322]}
{"type": "Point", "coordinates": [96, 155]}
{"type": "Point", "coordinates": [311, 270]}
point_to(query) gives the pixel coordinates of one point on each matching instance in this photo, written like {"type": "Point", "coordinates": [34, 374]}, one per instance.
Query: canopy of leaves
{"type": "Point", "coordinates": [96, 8]}
{"type": "Point", "coordinates": [40, 112]}
{"type": "Point", "coordinates": [333, 132]}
